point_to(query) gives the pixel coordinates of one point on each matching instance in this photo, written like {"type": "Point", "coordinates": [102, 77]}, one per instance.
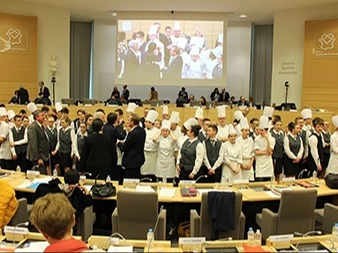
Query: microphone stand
{"type": "Point", "coordinates": [307, 234]}
{"type": "Point", "coordinates": [53, 84]}
{"type": "Point", "coordinates": [25, 224]}
{"type": "Point", "coordinates": [300, 175]}
{"type": "Point", "coordinates": [286, 93]}
{"type": "Point", "coordinates": [202, 176]}
{"type": "Point", "coordinates": [146, 179]}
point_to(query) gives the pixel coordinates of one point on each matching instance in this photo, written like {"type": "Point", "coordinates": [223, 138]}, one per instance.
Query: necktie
{"type": "Point", "coordinates": [212, 142]}
{"type": "Point", "coordinates": [188, 144]}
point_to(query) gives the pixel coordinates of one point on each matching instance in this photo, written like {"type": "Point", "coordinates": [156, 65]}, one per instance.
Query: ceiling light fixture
{"type": "Point", "coordinates": [113, 13]}
{"type": "Point", "coordinates": [243, 16]}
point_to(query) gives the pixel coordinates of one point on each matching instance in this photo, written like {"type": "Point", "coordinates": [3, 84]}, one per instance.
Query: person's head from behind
{"type": "Point", "coordinates": [71, 177]}
{"type": "Point", "coordinates": [54, 216]}
{"type": "Point", "coordinates": [111, 118]}
{"type": "Point", "coordinates": [97, 125]}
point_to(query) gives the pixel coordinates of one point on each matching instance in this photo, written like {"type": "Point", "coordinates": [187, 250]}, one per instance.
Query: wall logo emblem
{"type": "Point", "coordinates": [327, 41]}
{"type": "Point", "coordinates": [13, 39]}
{"type": "Point", "coordinates": [324, 44]}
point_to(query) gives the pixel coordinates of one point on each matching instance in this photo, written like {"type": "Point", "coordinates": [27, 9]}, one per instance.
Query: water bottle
{"type": "Point", "coordinates": [258, 238]}
{"type": "Point", "coordinates": [150, 238]}
{"type": "Point", "coordinates": [18, 169]}
{"type": "Point", "coordinates": [251, 237]}
{"type": "Point", "coordinates": [164, 180]}
{"type": "Point", "coordinates": [314, 175]}
{"type": "Point", "coordinates": [55, 173]}
{"type": "Point", "coordinates": [224, 181]}
{"type": "Point", "coordinates": [335, 233]}
{"type": "Point", "coordinates": [108, 179]}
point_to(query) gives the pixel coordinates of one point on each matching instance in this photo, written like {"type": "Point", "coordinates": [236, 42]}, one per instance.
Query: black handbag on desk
{"type": "Point", "coordinates": [103, 190]}
{"type": "Point", "coordinates": [331, 180]}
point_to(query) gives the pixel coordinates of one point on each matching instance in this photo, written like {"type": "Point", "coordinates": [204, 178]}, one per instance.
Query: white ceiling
{"type": "Point", "coordinates": [258, 11]}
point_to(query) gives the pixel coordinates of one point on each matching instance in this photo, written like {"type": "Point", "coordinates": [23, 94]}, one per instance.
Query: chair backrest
{"type": "Point", "coordinates": [155, 103]}
{"type": "Point", "coordinates": [206, 223]}
{"type": "Point", "coordinates": [137, 212]}
{"type": "Point", "coordinates": [67, 101]}
{"type": "Point", "coordinates": [88, 101]}
{"type": "Point", "coordinates": [194, 103]}
{"type": "Point", "coordinates": [296, 211]}
{"type": "Point", "coordinates": [21, 214]}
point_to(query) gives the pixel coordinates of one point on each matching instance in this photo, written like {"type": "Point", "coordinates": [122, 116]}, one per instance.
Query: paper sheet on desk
{"type": "Point", "coordinates": [167, 192]}
{"type": "Point", "coordinates": [35, 183]}
{"type": "Point", "coordinates": [271, 194]}
{"type": "Point", "coordinates": [144, 188]}
{"type": "Point", "coordinates": [201, 191]}
{"type": "Point", "coordinates": [33, 247]}
{"type": "Point", "coordinates": [120, 249]}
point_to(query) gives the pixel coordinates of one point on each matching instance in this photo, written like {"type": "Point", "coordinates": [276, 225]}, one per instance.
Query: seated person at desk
{"type": "Point", "coordinates": [54, 216]}
{"type": "Point", "coordinates": [78, 196]}
{"type": "Point", "coordinates": [43, 95]}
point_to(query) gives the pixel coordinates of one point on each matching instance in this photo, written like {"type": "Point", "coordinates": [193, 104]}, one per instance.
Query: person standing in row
{"type": "Point", "coordinates": [165, 163]}
{"type": "Point", "coordinates": [293, 151]}
{"type": "Point", "coordinates": [278, 151]}
{"type": "Point", "coordinates": [133, 148]}
{"type": "Point", "coordinates": [332, 166]}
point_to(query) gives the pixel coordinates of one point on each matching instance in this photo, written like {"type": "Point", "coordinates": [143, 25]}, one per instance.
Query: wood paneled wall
{"type": "Point", "coordinates": [18, 55]}
{"type": "Point", "coordinates": [320, 73]}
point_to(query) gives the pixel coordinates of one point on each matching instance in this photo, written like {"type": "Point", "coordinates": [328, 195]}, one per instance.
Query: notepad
{"type": "Point", "coordinates": [120, 249]}
{"type": "Point", "coordinates": [167, 192]}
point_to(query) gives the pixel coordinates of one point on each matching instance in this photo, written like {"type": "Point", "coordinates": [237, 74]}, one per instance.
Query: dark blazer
{"type": "Point", "coordinates": [23, 96]}
{"type": "Point", "coordinates": [113, 134]}
{"type": "Point", "coordinates": [174, 70]}
{"type": "Point", "coordinates": [45, 93]}
{"type": "Point", "coordinates": [133, 148]}
{"type": "Point", "coordinates": [97, 155]}
{"type": "Point", "coordinates": [38, 145]}
{"type": "Point", "coordinates": [131, 66]}
{"type": "Point", "coordinates": [166, 42]}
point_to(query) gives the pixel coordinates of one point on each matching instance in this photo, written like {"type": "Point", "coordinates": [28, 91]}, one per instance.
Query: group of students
{"type": "Point", "coordinates": [164, 150]}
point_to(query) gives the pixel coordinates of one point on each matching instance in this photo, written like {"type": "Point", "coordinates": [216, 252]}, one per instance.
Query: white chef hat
{"type": "Point", "coordinates": [199, 113]}
{"type": "Point", "coordinates": [231, 130]}
{"type": "Point", "coordinates": [238, 115]}
{"type": "Point", "coordinates": [10, 114]}
{"type": "Point", "coordinates": [153, 30]}
{"type": "Point", "coordinates": [306, 113]}
{"type": "Point", "coordinates": [190, 122]}
{"type": "Point", "coordinates": [175, 117]}
{"type": "Point", "coordinates": [244, 124]}
{"type": "Point", "coordinates": [31, 107]}
{"type": "Point", "coordinates": [221, 111]}
{"type": "Point", "coordinates": [151, 116]}
{"type": "Point", "coordinates": [335, 121]}
{"type": "Point", "coordinates": [268, 111]}
{"type": "Point", "coordinates": [131, 107]}
{"type": "Point", "coordinates": [165, 109]}
{"type": "Point", "coordinates": [3, 111]}
{"type": "Point", "coordinates": [177, 26]}
{"type": "Point", "coordinates": [264, 122]}
{"type": "Point", "coordinates": [166, 124]}
{"type": "Point", "coordinates": [217, 51]}
{"type": "Point", "coordinates": [220, 38]}
{"type": "Point", "coordinates": [58, 106]}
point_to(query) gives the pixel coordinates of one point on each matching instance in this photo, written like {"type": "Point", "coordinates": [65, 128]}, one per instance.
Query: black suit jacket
{"type": "Point", "coordinates": [97, 155]}
{"type": "Point", "coordinates": [113, 134]}
{"type": "Point", "coordinates": [166, 42]}
{"type": "Point", "coordinates": [174, 70]}
{"type": "Point", "coordinates": [131, 66]}
{"type": "Point", "coordinates": [23, 96]}
{"type": "Point", "coordinates": [45, 93]}
{"type": "Point", "coordinates": [133, 148]}
{"type": "Point", "coordinates": [38, 145]}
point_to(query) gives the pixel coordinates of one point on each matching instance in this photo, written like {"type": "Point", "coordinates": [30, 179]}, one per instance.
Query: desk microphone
{"type": "Point", "coordinates": [146, 179]}
{"type": "Point", "coordinates": [116, 234]}
{"type": "Point", "coordinates": [155, 227]}
{"type": "Point", "coordinates": [313, 232]}
{"type": "Point", "coordinates": [300, 175]}
{"type": "Point", "coordinates": [87, 174]}
{"type": "Point", "coordinates": [202, 176]}
{"type": "Point", "coordinates": [21, 224]}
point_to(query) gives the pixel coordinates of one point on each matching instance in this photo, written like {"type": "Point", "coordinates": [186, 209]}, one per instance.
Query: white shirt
{"type": "Point", "coordinates": [222, 132]}
{"type": "Point", "coordinates": [246, 146]}
{"type": "Point", "coordinates": [287, 147]}
{"type": "Point", "coordinates": [149, 144]}
{"type": "Point", "coordinates": [264, 165]}
{"type": "Point", "coordinates": [313, 142]}
{"type": "Point", "coordinates": [72, 138]}
{"type": "Point", "coordinates": [5, 149]}
{"type": "Point", "coordinates": [232, 153]}
{"type": "Point", "coordinates": [74, 143]}
{"type": "Point", "coordinates": [219, 160]}
{"type": "Point", "coordinates": [200, 150]}
{"type": "Point", "coordinates": [19, 142]}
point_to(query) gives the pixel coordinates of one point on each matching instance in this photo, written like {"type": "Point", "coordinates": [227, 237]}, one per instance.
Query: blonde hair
{"type": "Point", "coordinates": [53, 215]}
